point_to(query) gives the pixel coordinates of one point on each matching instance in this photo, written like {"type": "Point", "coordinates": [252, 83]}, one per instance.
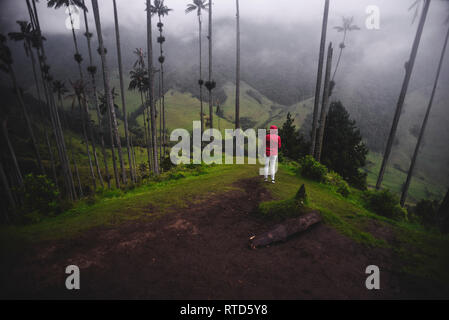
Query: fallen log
{"type": "Point", "coordinates": [286, 229]}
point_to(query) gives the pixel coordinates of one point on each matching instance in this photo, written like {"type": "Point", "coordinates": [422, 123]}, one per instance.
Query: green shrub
{"type": "Point", "coordinates": [112, 193]}
{"type": "Point", "coordinates": [166, 164]}
{"type": "Point", "coordinates": [385, 203]}
{"type": "Point", "coordinates": [425, 212]}
{"type": "Point", "coordinates": [334, 179]}
{"type": "Point", "coordinates": [39, 196]}
{"type": "Point", "coordinates": [175, 175]}
{"type": "Point", "coordinates": [282, 209]}
{"type": "Point", "coordinates": [312, 169]}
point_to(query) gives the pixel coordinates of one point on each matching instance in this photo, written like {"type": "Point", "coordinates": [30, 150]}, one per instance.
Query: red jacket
{"type": "Point", "coordinates": [273, 143]}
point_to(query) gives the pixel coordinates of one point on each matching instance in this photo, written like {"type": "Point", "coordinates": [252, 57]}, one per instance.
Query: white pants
{"type": "Point", "coordinates": [270, 165]}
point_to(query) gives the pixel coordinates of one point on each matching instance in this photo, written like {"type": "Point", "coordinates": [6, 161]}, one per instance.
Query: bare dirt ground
{"type": "Point", "coordinates": [202, 252]}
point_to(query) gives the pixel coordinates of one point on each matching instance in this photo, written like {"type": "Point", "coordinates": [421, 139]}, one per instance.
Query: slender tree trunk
{"type": "Point", "coordinates": [162, 94]}
{"type": "Point", "coordinates": [151, 89]}
{"type": "Point", "coordinates": [27, 119]}
{"type": "Point", "coordinates": [400, 104]}
{"type": "Point", "coordinates": [339, 56]}
{"type": "Point", "coordinates": [160, 120]}
{"type": "Point", "coordinates": [94, 151]}
{"type": "Point", "coordinates": [75, 42]}
{"type": "Point", "coordinates": [7, 189]}
{"type": "Point", "coordinates": [424, 124]}
{"type": "Point", "coordinates": [33, 64]}
{"type": "Point", "coordinates": [201, 81]}
{"type": "Point", "coordinates": [52, 110]}
{"type": "Point", "coordinates": [86, 141]}
{"type": "Point", "coordinates": [80, 187]}
{"type": "Point", "coordinates": [109, 99]}
{"type": "Point", "coordinates": [122, 92]}
{"type": "Point", "coordinates": [211, 111]}
{"type": "Point", "coordinates": [92, 139]}
{"type": "Point", "coordinates": [443, 214]}
{"type": "Point", "coordinates": [325, 105]}
{"type": "Point", "coordinates": [97, 109]}
{"type": "Point", "coordinates": [316, 104]}
{"type": "Point", "coordinates": [12, 152]}
{"type": "Point", "coordinates": [52, 160]}
{"type": "Point", "coordinates": [237, 72]}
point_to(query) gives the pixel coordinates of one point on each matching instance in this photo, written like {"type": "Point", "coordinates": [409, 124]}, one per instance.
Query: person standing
{"type": "Point", "coordinates": [273, 143]}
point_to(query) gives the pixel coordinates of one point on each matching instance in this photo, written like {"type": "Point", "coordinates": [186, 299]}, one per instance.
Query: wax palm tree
{"type": "Point", "coordinates": [141, 76]}
{"type": "Point", "coordinates": [6, 65]}
{"type": "Point", "coordinates": [199, 6]}
{"type": "Point", "coordinates": [60, 90]}
{"type": "Point", "coordinates": [408, 72]}
{"type": "Point", "coordinates": [92, 69]}
{"type": "Point", "coordinates": [56, 4]}
{"type": "Point", "coordinates": [12, 153]}
{"type": "Point", "coordinates": [122, 91]}
{"type": "Point", "coordinates": [346, 27]}
{"type": "Point", "coordinates": [316, 104]}
{"type": "Point", "coordinates": [109, 98]}
{"type": "Point", "coordinates": [210, 84]}
{"type": "Point", "coordinates": [7, 189]}
{"type": "Point", "coordinates": [237, 72]}
{"type": "Point", "coordinates": [424, 123]}
{"type": "Point", "coordinates": [161, 10]}
{"type": "Point", "coordinates": [28, 36]}
{"type": "Point", "coordinates": [78, 96]}
{"type": "Point", "coordinates": [325, 105]}
{"type": "Point", "coordinates": [151, 87]}
{"type": "Point", "coordinates": [139, 81]}
{"type": "Point", "coordinates": [50, 103]}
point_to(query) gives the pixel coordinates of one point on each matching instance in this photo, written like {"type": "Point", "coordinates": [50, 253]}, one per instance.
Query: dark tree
{"type": "Point", "coordinates": [343, 149]}
{"type": "Point", "coordinates": [293, 145]}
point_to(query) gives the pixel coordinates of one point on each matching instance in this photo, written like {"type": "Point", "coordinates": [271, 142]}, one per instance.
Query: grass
{"type": "Point", "coordinates": [420, 188]}
{"type": "Point", "coordinates": [419, 251]}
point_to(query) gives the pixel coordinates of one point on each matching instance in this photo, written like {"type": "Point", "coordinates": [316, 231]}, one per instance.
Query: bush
{"type": "Point", "coordinates": [425, 212]}
{"type": "Point", "coordinates": [312, 169]}
{"type": "Point", "coordinates": [40, 197]}
{"type": "Point", "coordinates": [282, 209]}
{"type": "Point", "coordinates": [385, 203]}
{"type": "Point", "coordinates": [334, 179]}
{"type": "Point", "coordinates": [166, 164]}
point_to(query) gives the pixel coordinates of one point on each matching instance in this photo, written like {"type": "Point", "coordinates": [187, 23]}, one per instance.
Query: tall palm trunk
{"type": "Point", "coordinates": [443, 214]}
{"type": "Point", "coordinates": [78, 60]}
{"type": "Point", "coordinates": [408, 72]}
{"type": "Point", "coordinates": [27, 118]}
{"type": "Point", "coordinates": [84, 119]}
{"type": "Point", "coordinates": [52, 160]}
{"type": "Point", "coordinates": [151, 88]}
{"type": "Point", "coordinates": [56, 125]}
{"type": "Point", "coordinates": [36, 81]}
{"type": "Point", "coordinates": [122, 92]}
{"type": "Point", "coordinates": [7, 189]}
{"type": "Point", "coordinates": [424, 124]}
{"type": "Point", "coordinates": [77, 174]}
{"type": "Point", "coordinates": [109, 99]}
{"type": "Point", "coordinates": [316, 104]}
{"type": "Point", "coordinates": [161, 91]}
{"type": "Point", "coordinates": [12, 152]}
{"type": "Point", "coordinates": [211, 111]}
{"type": "Point", "coordinates": [325, 105]}
{"type": "Point", "coordinates": [237, 72]}
{"type": "Point", "coordinates": [200, 81]}
{"type": "Point", "coordinates": [339, 55]}
{"type": "Point", "coordinates": [92, 70]}
{"type": "Point", "coordinates": [75, 42]}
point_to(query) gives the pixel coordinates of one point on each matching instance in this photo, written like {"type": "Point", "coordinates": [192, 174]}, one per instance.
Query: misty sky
{"type": "Point", "coordinates": [300, 19]}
